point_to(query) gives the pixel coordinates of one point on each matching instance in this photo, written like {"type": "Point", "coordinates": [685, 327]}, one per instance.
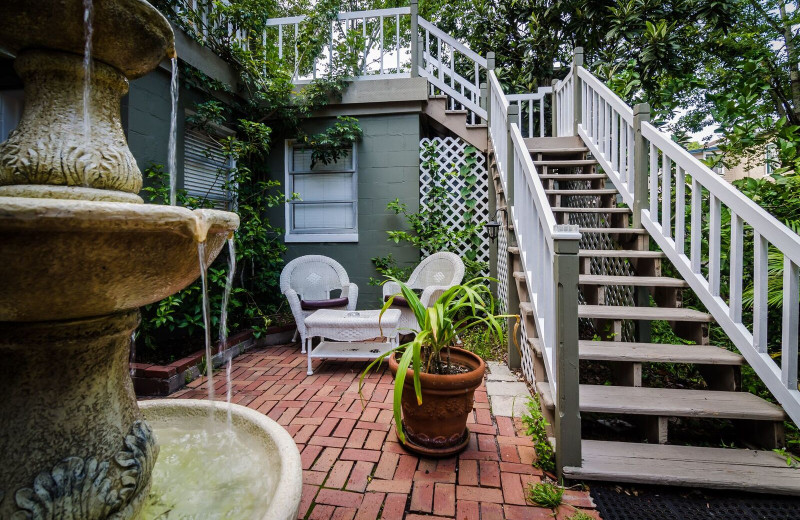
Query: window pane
{"type": "Point", "coordinates": [323, 216]}
{"type": "Point", "coordinates": [301, 162]}
{"type": "Point", "coordinates": [331, 186]}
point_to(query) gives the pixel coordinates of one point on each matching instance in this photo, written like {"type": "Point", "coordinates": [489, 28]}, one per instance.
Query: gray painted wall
{"type": "Point", "coordinates": [388, 168]}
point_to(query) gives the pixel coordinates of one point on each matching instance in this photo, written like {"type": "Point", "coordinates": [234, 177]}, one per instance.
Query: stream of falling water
{"type": "Point", "coordinates": [201, 254]}
{"type": "Point", "coordinates": [173, 130]}
{"type": "Point", "coordinates": [88, 30]}
{"type": "Point", "coordinates": [132, 358]}
{"type": "Point", "coordinates": [223, 322]}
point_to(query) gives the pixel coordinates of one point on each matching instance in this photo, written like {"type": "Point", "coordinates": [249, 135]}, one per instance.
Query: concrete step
{"type": "Point", "coordinates": [691, 466]}
{"type": "Point", "coordinates": [670, 402]}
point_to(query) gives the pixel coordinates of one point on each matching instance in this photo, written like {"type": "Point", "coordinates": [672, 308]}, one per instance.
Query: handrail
{"type": "Point", "coordinates": [657, 185]}
{"type": "Point", "coordinates": [448, 72]}
{"type": "Point", "coordinates": [548, 254]}
{"type": "Point", "coordinates": [531, 115]}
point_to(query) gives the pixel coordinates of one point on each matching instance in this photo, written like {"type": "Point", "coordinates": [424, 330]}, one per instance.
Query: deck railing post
{"type": "Point", "coordinates": [554, 109]}
{"type": "Point", "coordinates": [513, 119]}
{"type": "Point", "coordinates": [567, 423]}
{"type": "Point", "coordinates": [641, 114]}
{"type": "Point", "coordinates": [577, 61]}
{"type": "Point", "coordinates": [415, 46]}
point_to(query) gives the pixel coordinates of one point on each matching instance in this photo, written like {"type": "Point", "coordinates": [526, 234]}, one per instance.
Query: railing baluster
{"type": "Point", "coordinates": [382, 46]}
{"type": "Point", "coordinates": [736, 253]}
{"type": "Point", "coordinates": [760, 283]}
{"type": "Point", "coordinates": [614, 141]}
{"type": "Point", "coordinates": [296, 55]}
{"type": "Point", "coordinates": [697, 228]}
{"type": "Point", "coordinates": [680, 209]}
{"type": "Point", "coordinates": [653, 183]}
{"type": "Point", "coordinates": [541, 116]}
{"type": "Point", "coordinates": [629, 163]}
{"type": "Point", "coordinates": [714, 228]}
{"type": "Point", "coordinates": [280, 42]}
{"type": "Point", "coordinates": [397, 42]}
{"type": "Point", "coordinates": [666, 196]}
{"type": "Point", "coordinates": [791, 297]}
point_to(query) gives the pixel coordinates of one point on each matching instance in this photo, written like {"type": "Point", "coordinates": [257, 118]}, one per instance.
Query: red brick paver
{"type": "Point", "coordinates": [353, 465]}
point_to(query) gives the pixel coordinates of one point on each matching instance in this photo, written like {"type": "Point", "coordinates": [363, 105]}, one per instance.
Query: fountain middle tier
{"type": "Point", "coordinates": [65, 259]}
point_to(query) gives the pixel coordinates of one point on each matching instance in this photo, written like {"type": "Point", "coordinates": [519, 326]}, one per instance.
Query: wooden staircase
{"type": "Point", "coordinates": [622, 294]}
{"type": "Point", "coordinates": [455, 122]}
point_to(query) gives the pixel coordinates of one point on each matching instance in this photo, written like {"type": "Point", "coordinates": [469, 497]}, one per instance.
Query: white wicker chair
{"type": "Point", "coordinates": [309, 280]}
{"type": "Point", "coordinates": [433, 276]}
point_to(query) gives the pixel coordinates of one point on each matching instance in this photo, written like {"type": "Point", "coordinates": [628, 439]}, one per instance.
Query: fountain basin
{"type": "Point", "coordinates": [67, 259]}
{"type": "Point", "coordinates": [129, 35]}
{"type": "Point", "coordinates": [282, 477]}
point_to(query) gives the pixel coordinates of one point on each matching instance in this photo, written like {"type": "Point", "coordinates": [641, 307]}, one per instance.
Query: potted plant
{"type": "Point", "coordinates": [435, 381]}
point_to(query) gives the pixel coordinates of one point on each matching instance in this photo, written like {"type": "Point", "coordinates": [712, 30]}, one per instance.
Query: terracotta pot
{"type": "Point", "coordinates": [438, 427]}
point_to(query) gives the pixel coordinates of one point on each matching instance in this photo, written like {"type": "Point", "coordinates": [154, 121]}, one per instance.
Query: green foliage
{"type": "Point", "coordinates": [488, 347]}
{"type": "Point", "coordinates": [536, 427]}
{"type": "Point", "coordinates": [579, 515]}
{"type": "Point", "coordinates": [456, 311]}
{"type": "Point", "coordinates": [265, 100]}
{"type": "Point", "coordinates": [545, 494]}
{"type": "Point", "coordinates": [428, 228]}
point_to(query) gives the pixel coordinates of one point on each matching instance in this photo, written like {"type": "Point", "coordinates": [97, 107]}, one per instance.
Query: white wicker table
{"type": "Point", "coordinates": [350, 330]}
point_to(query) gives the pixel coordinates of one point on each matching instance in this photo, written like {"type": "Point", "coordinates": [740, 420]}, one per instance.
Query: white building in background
{"type": "Point", "coordinates": [756, 166]}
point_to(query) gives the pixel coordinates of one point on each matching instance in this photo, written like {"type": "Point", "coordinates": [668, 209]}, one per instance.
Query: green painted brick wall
{"type": "Point", "coordinates": [388, 168]}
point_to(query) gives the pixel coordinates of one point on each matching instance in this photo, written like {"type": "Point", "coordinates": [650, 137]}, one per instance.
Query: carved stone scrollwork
{"type": "Point", "coordinates": [86, 489]}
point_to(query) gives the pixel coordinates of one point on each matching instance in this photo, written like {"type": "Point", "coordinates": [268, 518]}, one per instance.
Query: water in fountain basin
{"type": "Point", "coordinates": [223, 321]}
{"type": "Point", "coordinates": [88, 14]}
{"type": "Point", "coordinates": [209, 472]}
{"type": "Point", "coordinates": [173, 130]}
{"type": "Point", "coordinates": [201, 254]}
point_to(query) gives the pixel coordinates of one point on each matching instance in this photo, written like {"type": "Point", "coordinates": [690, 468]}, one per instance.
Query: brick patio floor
{"type": "Point", "coordinates": [353, 466]}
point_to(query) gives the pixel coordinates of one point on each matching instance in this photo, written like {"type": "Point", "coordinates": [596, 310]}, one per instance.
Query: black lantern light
{"type": "Point", "coordinates": [493, 227]}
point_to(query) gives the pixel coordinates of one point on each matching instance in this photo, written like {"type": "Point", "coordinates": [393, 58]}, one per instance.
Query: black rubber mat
{"type": "Point", "coordinates": [647, 503]}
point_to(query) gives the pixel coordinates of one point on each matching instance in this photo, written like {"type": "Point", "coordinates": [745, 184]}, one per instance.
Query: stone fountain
{"type": "Point", "coordinates": [79, 254]}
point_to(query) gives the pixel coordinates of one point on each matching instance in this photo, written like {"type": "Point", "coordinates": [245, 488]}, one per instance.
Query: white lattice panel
{"type": "Point", "coordinates": [502, 264]}
{"type": "Point", "coordinates": [450, 154]}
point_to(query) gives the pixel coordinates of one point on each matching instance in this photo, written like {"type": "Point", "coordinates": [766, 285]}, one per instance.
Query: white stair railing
{"type": "Point", "coordinates": [531, 119]}
{"type": "Point", "coordinates": [549, 259]}
{"type": "Point", "coordinates": [648, 167]}
{"type": "Point", "coordinates": [452, 68]}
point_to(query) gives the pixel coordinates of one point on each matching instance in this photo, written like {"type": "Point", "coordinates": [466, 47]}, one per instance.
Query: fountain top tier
{"type": "Point", "coordinates": [128, 35]}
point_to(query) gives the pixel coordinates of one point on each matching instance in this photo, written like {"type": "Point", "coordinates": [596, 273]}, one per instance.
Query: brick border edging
{"type": "Point", "coordinates": [161, 380]}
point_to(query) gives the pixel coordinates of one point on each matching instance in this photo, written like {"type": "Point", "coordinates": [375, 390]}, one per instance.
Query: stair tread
{"type": "Point", "coordinates": [546, 144]}
{"type": "Point", "coordinates": [456, 112]}
{"type": "Point", "coordinates": [670, 402]}
{"type": "Point", "coordinates": [615, 231]}
{"type": "Point", "coordinates": [719, 468]}
{"type": "Point", "coordinates": [514, 250]}
{"type": "Point", "coordinates": [562, 209]}
{"type": "Point", "coordinates": [565, 162]}
{"type": "Point", "coordinates": [648, 281]}
{"type": "Point", "coordinates": [589, 193]}
{"type": "Point", "coordinates": [614, 312]}
{"type": "Point", "coordinates": [657, 353]}
{"type": "Point", "coordinates": [572, 176]}
{"type": "Point", "coordinates": [620, 253]}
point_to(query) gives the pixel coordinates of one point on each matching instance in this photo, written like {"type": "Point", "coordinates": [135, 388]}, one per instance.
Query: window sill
{"type": "Point", "coordinates": [320, 237]}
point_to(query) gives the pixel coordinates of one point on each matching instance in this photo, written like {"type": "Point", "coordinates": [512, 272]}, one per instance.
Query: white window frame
{"type": "Point", "coordinates": [294, 236]}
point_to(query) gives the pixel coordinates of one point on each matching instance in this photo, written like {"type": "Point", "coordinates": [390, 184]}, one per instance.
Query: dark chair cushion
{"type": "Point", "coordinates": [313, 305]}
{"type": "Point", "coordinates": [398, 301]}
